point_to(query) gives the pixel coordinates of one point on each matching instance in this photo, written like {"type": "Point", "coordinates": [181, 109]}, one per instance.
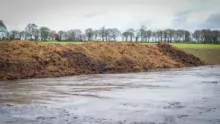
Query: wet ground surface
{"type": "Point", "coordinates": [179, 96]}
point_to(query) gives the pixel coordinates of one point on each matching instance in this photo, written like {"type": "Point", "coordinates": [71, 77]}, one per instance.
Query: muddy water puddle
{"type": "Point", "coordinates": [178, 96]}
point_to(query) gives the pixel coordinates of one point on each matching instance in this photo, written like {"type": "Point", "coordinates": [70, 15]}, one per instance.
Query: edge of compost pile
{"type": "Point", "coordinates": [26, 59]}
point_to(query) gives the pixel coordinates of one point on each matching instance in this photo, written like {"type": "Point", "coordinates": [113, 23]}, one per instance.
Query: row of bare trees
{"type": "Point", "coordinates": [33, 32]}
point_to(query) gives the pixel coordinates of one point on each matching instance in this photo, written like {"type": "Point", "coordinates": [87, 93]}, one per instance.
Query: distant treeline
{"type": "Point", "coordinates": [35, 33]}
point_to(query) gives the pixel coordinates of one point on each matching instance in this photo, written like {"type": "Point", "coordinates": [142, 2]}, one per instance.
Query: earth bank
{"type": "Point", "coordinates": [25, 59]}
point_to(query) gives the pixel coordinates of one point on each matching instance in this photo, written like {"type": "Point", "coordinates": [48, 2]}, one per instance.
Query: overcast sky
{"type": "Point", "coordinates": [123, 14]}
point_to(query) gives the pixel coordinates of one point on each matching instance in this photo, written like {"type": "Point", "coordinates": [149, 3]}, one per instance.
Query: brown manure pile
{"type": "Point", "coordinates": [25, 59]}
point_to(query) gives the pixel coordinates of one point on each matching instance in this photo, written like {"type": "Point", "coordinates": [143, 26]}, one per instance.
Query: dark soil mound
{"type": "Point", "coordinates": [179, 55]}
{"type": "Point", "coordinates": [25, 59]}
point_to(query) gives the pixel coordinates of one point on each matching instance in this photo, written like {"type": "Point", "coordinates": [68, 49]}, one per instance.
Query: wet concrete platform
{"type": "Point", "coordinates": [177, 96]}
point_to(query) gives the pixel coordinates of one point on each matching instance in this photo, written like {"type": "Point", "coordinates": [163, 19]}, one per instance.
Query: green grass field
{"type": "Point", "coordinates": [199, 46]}
{"type": "Point", "coordinates": [179, 45]}
{"type": "Point", "coordinates": [190, 45]}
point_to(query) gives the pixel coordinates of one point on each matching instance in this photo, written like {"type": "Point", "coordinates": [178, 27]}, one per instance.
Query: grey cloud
{"type": "Point", "coordinates": [213, 22]}
{"type": "Point", "coordinates": [180, 22]}
{"type": "Point", "coordinates": [95, 14]}
{"type": "Point", "coordinates": [90, 15]}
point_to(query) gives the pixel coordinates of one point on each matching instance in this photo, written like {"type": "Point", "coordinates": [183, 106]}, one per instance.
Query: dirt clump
{"type": "Point", "coordinates": [25, 59]}
{"type": "Point", "coordinates": [180, 56]}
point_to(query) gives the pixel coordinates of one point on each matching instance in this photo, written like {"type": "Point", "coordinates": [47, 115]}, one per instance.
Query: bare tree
{"type": "Point", "coordinates": [65, 35]}
{"type": "Point", "coordinates": [31, 29]}
{"type": "Point", "coordinates": [154, 35]}
{"type": "Point", "coordinates": [78, 34]}
{"type": "Point", "coordinates": [148, 35]}
{"type": "Point", "coordinates": [187, 36]}
{"type": "Point", "coordinates": [175, 36]}
{"type": "Point", "coordinates": [215, 36]}
{"type": "Point", "coordinates": [61, 35]}
{"type": "Point", "coordinates": [218, 39]}
{"type": "Point", "coordinates": [108, 34]}
{"type": "Point", "coordinates": [170, 35]}
{"type": "Point", "coordinates": [102, 33]}
{"type": "Point", "coordinates": [137, 35]}
{"type": "Point", "coordinates": [22, 35]}
{"type": "Point", "coordinates": [96, 34]}
{"type": "Point", "coordinates": [7, 35]}
{"type": "Point", "coordinates": [112, 34]}
{"type": "Point", "coordinates": [89, 33]}
{"type": "Point", "coordinates": [160, 35]}
{"type": "Point", "coordinates": [83, 37]}
{"type": "Point", "coordinates": [126, 35]}
{"type": "Point", "coordinates": [206, 35]}
{"type": "Point", "coordinates": [52, 35]}
{"type": "Point", "coordinates": [179, 35]}
{"type": "Point", "coordinates": [36, 34]}
{"type": "Point", "coordinates": [44, 33]}
{"type": "Point", "coordinates": [131, 34]}
{"type": "Point", "coordinates": [142, 31]}
{"type": "Point", "coordinates": [164, 35]}
{"type": "Point", "coordinates": [71, 35]}
{"type": "Point", "coordinates": [14, 34]}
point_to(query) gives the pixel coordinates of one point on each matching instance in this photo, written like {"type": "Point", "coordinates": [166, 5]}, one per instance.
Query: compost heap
{"type": "Point", "coordinates": [26, 59]}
